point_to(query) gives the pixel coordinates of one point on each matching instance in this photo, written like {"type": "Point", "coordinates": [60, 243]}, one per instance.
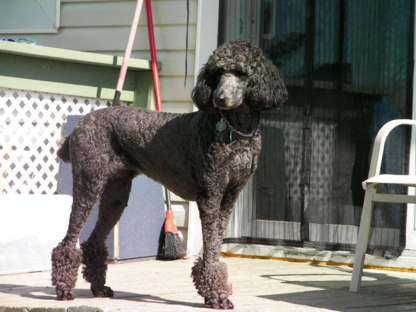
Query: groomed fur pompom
{"type": "Point", "coordinates": [65, 259]}
{"type": "Point", "coordinates": [207, 277]}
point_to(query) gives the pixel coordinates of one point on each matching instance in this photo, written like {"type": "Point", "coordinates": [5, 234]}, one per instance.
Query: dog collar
{"type": "Point", "coordinates": [223, 123]}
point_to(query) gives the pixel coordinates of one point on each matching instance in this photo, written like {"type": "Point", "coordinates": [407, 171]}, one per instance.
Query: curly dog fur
{"type": "Point", "coordinates": [186, 153]}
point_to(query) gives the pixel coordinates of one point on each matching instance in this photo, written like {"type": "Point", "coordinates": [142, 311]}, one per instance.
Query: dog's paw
{"type": "Point", "coordinates": [219, 304]}
{"type": "Point", "coordinates": [64, 295]}
{"type": "Point", "coordinates": [102, 292]}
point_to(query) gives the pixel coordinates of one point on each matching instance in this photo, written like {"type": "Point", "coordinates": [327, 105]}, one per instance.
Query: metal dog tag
{"type": "Point", "coordinates": [220, 125]}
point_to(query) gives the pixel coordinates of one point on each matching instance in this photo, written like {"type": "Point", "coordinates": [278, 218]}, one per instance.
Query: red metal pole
{"type": "Point", "coordinates": [155, 71]}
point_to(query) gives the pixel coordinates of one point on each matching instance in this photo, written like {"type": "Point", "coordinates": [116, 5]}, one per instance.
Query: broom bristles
{"type": "Point", "coordinates": [172, 248]}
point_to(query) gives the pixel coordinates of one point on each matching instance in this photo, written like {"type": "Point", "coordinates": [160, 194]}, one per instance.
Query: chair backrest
{"type": "Point", "coordinates": [380, 141]}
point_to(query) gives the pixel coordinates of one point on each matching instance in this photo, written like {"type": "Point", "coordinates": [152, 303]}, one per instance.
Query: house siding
{"type": "Point", "coordinates": [103, 27]}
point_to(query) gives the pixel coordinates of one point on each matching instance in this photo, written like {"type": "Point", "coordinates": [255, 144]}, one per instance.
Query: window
{"type": "Point", "coordinates": [29, 16]}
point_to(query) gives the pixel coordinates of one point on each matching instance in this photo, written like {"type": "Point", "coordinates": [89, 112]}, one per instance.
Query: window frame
{"type": "Point", "coordinates": [37, 30]}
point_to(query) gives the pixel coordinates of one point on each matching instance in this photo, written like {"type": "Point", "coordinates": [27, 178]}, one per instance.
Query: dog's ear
{"type": "Point", "coordinates": [266, 89]}
{"type": "Point", "coordinates": [202, 94]}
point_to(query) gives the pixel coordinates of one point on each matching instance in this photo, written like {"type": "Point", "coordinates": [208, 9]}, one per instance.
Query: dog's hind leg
{"type": "Point", "coordinates": [94, 251]}
{"type": "Point", "coordinates": [66, 258]}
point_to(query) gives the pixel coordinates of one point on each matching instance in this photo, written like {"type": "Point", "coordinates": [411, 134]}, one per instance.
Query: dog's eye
{"type": "Point", "coordinates": [236, 73]}
{"type": "Point", "coordinates": [218, 76]}
{"type": "Point", "coordinates": [241, 76]}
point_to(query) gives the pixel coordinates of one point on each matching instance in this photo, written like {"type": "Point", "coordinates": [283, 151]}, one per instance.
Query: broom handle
{"type": "Point", "coordinates": [156, 82]}
{"type": "Point", "coordinates": [155, 71]}
{"type": "Point", "coordinates": [168, 203]}
{"type": "Point", "coordinates": [127, 53]}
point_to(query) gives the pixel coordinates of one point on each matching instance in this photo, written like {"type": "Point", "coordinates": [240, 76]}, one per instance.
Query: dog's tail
{"type": "Point", "coordinates": [63, 152]}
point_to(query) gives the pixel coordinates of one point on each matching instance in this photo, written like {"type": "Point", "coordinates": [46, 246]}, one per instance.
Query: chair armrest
{"type": "Point", "coordinates": [380, 141]}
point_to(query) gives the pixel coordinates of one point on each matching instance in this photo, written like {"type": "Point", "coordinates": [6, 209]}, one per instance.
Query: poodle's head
{"type": "Point", "coordinates": [238, 73]}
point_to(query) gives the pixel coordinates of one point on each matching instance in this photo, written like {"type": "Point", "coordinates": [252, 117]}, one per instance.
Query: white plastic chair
{"type": "Point", "coordinates": [371, 196]}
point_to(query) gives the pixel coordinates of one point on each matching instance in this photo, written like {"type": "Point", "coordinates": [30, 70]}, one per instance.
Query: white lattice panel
{"type": "Point", "coordinates": [30, 133]}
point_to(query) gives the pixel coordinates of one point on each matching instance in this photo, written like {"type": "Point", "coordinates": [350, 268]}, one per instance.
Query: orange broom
{"type": "Point", "coordinates": [172, 248]}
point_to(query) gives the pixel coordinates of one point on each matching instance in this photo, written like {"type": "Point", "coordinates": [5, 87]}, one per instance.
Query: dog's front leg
{"type": "Point", "coordinates": [209, 274]}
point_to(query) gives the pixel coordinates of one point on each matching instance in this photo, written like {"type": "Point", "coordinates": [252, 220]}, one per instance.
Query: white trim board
{"type": "Point", "coordinates": [206, 42]}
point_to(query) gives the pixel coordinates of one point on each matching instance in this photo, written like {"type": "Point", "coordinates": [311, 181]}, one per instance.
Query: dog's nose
{"type": "Point", "coordinates": [220, 101]}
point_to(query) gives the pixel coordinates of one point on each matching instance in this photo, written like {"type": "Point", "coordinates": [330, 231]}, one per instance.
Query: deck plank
{"type": "Point", "coordinates": [259, 285]}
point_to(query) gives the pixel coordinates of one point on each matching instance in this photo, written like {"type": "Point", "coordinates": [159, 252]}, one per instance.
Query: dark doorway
{"type": "Point", "coordinates": [348, 67]}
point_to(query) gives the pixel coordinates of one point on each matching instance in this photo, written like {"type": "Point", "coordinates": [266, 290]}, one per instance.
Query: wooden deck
{"type": "Point", "coordinates": [259, 285]}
